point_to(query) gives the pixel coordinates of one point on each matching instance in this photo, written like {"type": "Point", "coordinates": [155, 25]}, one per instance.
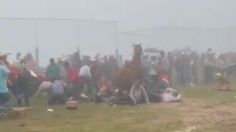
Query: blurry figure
{"type": "Point", "coordinates": [209, 63]}
{"type": "Point", "coordinates": [224, 84]}
{"type": "Point", "coordinates": [180, 69]}
{"type": "Point", "coordinates": [18, 58]}
{"type": "Point", "coordinates": [57, 93]}
{"type": "Point", "coordinates": [85, 76]}
{"type": "Point", "coordinates": [187, 67]}
{"type": "Point", "coordinates": [95, 69]}
{"type": "Point", "coordinates": [153, 72]}
{"type": "Point", "coordinates": [43, 87]}
{"type": "Point", "coordinates": [171, 60]}
{"type": "Point", "coordinates": [138, 93]}
{"type": "Point", "coordinates": [73, 81]}
{"type": "Point", "coordinates": [75, 61]}
{"type": "Point", "coordinates": [105, 90]}
{"type": "Point", "coordinates": [163, 67]}
{"type": "Point", "coordinates": [163, 64]}
{"type": "Point", "coordinates": [4, 92]}
{"type": "Point", "coordinates": [171, 95]}
{"type": "Point", "coordinates": [146, 63]}
{"type": "Point", "coordinates": [53, 70]}
{"type": "Point", "coordinates": [23, 84]}
{"type": "Point", "coordinates": [13, 75]}
{"type": "Point", "coordinates": [63, 72]}
{"type": "Point", "coordinates": [31, 63]}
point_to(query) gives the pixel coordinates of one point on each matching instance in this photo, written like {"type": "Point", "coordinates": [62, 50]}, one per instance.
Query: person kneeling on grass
{"type": "Point", "coordinates": [138, 93]}
{"type": "Point", "coordinates": [57, 93]}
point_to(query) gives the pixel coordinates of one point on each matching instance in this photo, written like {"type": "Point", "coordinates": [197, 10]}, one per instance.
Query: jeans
{"type": "Point", "coordinates": [91, 90]}
{"type": "Point", "coordinates": [56, 98]}
{"type": "Point", "coordinates": [74, 90]}
{"type": "Point", "coordinates": [22, 91]}
{"type": "Point", "coordinates": [4, 98]}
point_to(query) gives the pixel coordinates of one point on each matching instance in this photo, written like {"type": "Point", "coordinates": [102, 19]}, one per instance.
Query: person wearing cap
{"type": "Point", "coordinates": [4, 92]}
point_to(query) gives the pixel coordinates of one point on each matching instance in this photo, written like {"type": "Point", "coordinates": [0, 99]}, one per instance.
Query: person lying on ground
{"type": "Point", "coordinates": [171, 95]}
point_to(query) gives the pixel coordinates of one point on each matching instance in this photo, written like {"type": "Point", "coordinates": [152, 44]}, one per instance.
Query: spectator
{"type": "Point", "coordinates": [22, 84]}
{"type": "Point", "coordinates": [4, 92]}
{"type": "Point", "coordinates": [53, 70]}
{"type": "Point", "coordinates": [73, 80]}
{"type": "Point", "coordinates": [209, 63]}
{"type": "Point", "coordinates": [85, 76]}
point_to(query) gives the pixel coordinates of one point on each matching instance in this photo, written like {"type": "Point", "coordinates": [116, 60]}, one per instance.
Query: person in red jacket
{"type": "Point", "coordinates": [73, 81]}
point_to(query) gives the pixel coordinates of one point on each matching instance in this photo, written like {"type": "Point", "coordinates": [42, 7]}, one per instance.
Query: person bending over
{"type": "Point", "coordinates": [57, 92]}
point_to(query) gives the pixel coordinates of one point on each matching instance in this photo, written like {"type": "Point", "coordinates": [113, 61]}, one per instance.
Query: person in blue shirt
{"type": "Point", "coordinates": [4, 92]}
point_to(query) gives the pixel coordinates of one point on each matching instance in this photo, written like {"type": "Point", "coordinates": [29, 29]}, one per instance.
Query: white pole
{"type": "Point", "coordinates": [36, 43]}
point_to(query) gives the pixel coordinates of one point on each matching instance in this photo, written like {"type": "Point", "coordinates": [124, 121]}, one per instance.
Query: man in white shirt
{"type": "Point", "coordinates": [86, 78]}
{"type": "Point", "coordinates": [85, 72]}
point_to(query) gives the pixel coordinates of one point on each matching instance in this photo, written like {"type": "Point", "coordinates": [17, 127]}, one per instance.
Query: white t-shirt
{"type": "Point", "coordinates": [152, 70]}
{"type": "Point", "coordinates": [85, 72]}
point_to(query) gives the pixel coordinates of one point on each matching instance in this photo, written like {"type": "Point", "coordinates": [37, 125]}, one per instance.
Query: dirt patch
{"type": "Point", "coordinates": [199, 112]}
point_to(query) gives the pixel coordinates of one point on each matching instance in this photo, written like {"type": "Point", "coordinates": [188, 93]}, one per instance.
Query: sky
{"type": "Point", "coordinates": [131, 14]}
{"type": "Point", "coordinates": [217, 17]}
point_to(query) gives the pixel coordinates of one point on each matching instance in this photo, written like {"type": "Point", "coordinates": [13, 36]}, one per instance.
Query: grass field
{"type": "Point", "coordinates": [202, 110]}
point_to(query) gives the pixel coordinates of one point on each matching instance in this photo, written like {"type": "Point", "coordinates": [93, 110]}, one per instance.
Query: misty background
{"type": "Point", "coordinates": [61, 26]}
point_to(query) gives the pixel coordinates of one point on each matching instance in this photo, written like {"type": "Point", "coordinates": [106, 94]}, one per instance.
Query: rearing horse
{"type": "Point", "coordinates": [131, 71]}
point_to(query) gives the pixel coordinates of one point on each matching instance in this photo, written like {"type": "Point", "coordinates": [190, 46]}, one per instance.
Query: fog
{"type": "Point", "coordinates": [103, 25]}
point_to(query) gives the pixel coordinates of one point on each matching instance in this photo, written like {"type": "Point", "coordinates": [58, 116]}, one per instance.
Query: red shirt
{"type": "Point", "coordinates": [72, 74]}
{"type": "Point", "coordinates": [13, 72]}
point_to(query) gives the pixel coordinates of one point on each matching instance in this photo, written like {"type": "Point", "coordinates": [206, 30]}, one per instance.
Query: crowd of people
{"type": "Point", "coordinates": [94, 78]}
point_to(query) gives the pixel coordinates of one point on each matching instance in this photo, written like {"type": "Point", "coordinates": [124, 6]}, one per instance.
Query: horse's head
{"type": "Point", "coordinates": [138, 50]}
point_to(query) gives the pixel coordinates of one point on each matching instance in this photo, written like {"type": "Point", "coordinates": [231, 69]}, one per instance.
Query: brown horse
{"type": "Point", "coordinates": [131, 70]}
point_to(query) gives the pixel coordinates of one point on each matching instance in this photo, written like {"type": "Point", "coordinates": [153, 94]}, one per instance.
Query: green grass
{"type": "Point", "coordinates": [204, 108]}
